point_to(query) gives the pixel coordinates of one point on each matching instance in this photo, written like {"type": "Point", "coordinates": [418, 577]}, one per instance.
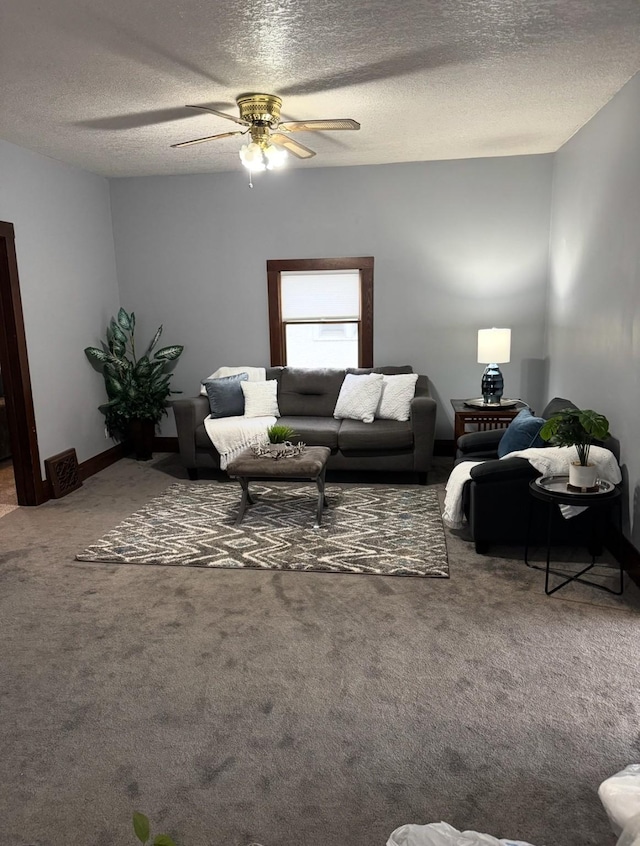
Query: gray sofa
{"type": "Point", "coordinates": [306, 399]}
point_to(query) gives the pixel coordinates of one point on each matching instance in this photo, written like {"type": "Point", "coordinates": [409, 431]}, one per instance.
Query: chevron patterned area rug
{"type": "Point", "coordinates": [391, 531]}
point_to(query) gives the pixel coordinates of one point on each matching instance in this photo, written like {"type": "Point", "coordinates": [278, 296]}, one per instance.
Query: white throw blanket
{"type": "Point", "coordinates": [230, 435]}
{"type": "Point", "coordinates": [255, 374]}
{"type": "Point", "coordinates": [550, 461]}
{"type": "Point", "coordinates": [453, 514]}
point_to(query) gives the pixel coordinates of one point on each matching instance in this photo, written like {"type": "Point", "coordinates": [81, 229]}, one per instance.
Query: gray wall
{"type": "Point", "coordinates": [594, 297]}
{"type": "Point", "coordinates": [458, 246]}
{"type": "Point", "coordinates": [66, 264]}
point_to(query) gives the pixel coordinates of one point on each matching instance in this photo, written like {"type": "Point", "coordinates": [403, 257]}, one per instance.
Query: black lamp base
{"type": "Point", "coordinates": [492, 385]}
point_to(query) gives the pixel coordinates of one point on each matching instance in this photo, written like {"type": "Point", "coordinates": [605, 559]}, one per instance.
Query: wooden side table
{"type": "Point", "coordinates": [482, 418]}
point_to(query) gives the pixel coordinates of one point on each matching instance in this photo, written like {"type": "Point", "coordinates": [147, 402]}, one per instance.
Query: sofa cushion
{"type": "Point", "coordinates": [389, 370]}
{"type": "Point", "coordinates": [379, 435]}
{"type": "Point", "coordinates": [274, 373]}
{"type": "Point", "coordinates": [306, 391]}
{"type": "Point", "coordinates": [523, 432]}
{"type": "Point", "coordinates": [314, 431]}
{"type": "Point", "coordinates": [225, 395]}
{"type": "Point", "coordinates": [359, 397]}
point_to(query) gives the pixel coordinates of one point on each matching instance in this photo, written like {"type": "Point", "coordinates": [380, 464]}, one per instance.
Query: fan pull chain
{"type": "Point", "coordinates": [250, 182]}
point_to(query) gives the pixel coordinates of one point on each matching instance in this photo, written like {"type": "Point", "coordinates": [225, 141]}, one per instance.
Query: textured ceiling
{"type": "Point", "coordinates": [103, 85]}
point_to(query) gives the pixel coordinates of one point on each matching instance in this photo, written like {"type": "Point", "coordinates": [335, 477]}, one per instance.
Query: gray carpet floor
{"type": "Point", "coordinates": [298, 708]}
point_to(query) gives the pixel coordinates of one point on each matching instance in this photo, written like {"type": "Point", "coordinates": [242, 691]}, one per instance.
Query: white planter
{"type": "Point", "coordinates": [583, 476]}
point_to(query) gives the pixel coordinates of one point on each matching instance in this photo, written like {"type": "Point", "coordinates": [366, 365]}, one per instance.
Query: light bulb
{"type": "Point", "coordinates": [275, 156]}
{"type": "Point", "coordinates": [251, 157]}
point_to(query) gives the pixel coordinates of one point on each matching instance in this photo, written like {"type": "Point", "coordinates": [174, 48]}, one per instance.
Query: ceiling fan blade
{"type": "Point", "coordinates": [292, 146]}
{"type": "Point", "coordinates": [221, 114]}
{"type": "Point", "coordinates": [316, 125]}
{"type": "Point", "coordinates": [208, 138]}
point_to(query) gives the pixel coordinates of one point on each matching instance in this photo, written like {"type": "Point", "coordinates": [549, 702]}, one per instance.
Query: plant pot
{"type": "Point", "coordinates": [279, 449]}
{"type": "Point", "coordinates": [141, 436]}
{"type": "Point", "coordinates": [583, 475]}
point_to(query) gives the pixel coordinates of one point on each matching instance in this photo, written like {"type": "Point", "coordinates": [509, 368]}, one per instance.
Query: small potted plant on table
{"type": "Point", "coordinates": [279, 445]}
{"type": "Point", "coordinates": [578, 427]}
{"type": "Point", "coordinates": [279, 434]}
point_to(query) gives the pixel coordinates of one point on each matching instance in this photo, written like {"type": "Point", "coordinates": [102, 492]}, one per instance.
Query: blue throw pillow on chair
{"type": "Point", "coordinates": [523, 432]}
{"type": "Point", "coordinates": [225, 395]}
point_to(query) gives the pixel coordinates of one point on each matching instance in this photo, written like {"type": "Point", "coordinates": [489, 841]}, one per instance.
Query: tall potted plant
{"type": "Point", "coordinates": [137, 388]}
{"type": "Point", "coordinates": [578, 427]}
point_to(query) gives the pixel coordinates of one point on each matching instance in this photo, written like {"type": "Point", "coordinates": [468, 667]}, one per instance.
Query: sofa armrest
{"type": "Point", "coordinates": [503, 470]}
{"type": "Point", "coordinates": [189, 414]}
{"type": "Point", "coordinates": [480, 442]}
{"type": "Point", "coordinates": [423, 425]}
{"type": "Point", "coordinates": [498, 504]}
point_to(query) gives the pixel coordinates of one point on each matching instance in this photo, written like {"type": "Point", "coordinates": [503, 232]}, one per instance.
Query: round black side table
{"type": "Point", "coordinates": [553, 490]}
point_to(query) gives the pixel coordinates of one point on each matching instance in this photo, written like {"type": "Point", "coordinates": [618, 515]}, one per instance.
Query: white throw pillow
{"type": "Point", "coordinates": [260, 398]}
{"type": "Point", "coordinates": [397, 393]}
{"type": "Point", "coordinates": [359, 397]}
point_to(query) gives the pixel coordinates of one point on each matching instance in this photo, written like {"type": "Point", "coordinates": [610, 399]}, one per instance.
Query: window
{"type": "Point", "coordinates": [321, 312]}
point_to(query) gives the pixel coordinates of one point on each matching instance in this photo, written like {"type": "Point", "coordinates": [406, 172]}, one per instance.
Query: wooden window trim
{"type": "Point", "coordinates": [364, 264]}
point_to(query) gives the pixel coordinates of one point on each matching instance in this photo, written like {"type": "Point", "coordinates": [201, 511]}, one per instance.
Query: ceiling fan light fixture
{"type": "Point", "coordinates": [252, 158]}
{"type": "Point", "coordinates": [275, 156]}
{"type": "Point", "coordinates": [271, 141]}
{"type": "Point", "coordinates": [258, 157]}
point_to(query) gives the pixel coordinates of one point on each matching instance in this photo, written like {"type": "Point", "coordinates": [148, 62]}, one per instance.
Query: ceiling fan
{"type": "Point", "coordinates": [270, 139]}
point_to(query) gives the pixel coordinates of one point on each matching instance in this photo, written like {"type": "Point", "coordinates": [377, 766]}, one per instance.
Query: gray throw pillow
{"type": "Point", "coordinates": [225, 395]}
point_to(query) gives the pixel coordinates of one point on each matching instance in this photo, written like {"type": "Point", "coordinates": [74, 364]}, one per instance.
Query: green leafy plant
{"type": "Point", "coordinates": [278, 433]}
{"type": "Point", "coordinates": [142, 831]}
{"type": "Point", "coordinates": [137, 388]}
{"type": "Point", "coordinates": [576, 427]}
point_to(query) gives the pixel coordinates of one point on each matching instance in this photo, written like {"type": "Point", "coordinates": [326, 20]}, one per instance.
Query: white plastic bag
{"type": "Point", "coordinates": [442, 834]}
{"type": "Point", "coordinates": [620, 795]}
{"type": "Point", "coordinates": [631, 834]}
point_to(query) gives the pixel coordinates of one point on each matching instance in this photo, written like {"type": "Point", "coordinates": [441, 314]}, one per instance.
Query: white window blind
{"type": "Point", "coordinates": [307, 347]}
{"type": "Point", "coordinates": [320, 295]}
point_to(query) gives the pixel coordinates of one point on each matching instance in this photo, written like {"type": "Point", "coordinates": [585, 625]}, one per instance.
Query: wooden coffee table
{"type": "Point", "coordinates": [310, 464]}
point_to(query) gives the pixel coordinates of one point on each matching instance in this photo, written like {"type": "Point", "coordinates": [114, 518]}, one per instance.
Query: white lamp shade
{"type": "Point", "coordinates": [494, 346]}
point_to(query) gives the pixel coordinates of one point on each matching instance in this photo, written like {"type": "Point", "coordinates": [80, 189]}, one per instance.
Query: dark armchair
{"type": "Point", "coordinates": [496, 500]}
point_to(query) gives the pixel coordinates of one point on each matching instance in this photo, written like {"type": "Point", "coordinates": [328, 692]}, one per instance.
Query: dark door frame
{"type": "Point", "coordinates": [15, 376]}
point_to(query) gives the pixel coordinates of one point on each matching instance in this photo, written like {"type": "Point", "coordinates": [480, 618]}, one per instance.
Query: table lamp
{"type": "Point", "coordinates": [494, 347]}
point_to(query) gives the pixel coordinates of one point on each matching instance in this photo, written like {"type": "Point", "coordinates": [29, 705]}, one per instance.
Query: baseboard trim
{"type": "Point", "coordinates": [165, 444]}
{"type": "Point", "coordinates": [89, 467]}
{"type": "Point", "coordinates": [105, 459]}
{"type": "Point", "coordinates": [442, 447]}
{"type": "Point", "coordinates": [101, 461]}
{"type": "Point", "coordinates": [625, 554]}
